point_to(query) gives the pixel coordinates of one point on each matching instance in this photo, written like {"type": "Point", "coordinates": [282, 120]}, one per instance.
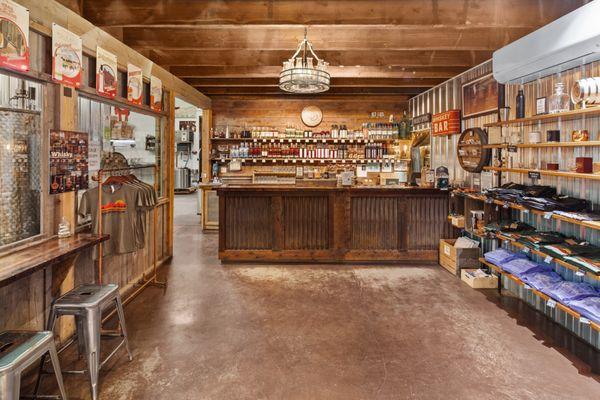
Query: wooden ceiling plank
{"type": "Point", "coordinates": [330, 37]}
{"type": "Point", "coordinates": [208, 91]}
{"type": "Point", "coordinates": [336, 72]}
{"type": "Point", "coordinates": [310, 12]}
{"type": "Point", "coordinates": [407, 58]}
{"type": "Point", "coordinates": [338, 82]}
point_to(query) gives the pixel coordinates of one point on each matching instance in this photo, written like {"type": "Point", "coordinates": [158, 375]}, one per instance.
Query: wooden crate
{"type": "Point", "coordinates": [479, 282]}
{"type": "Point", "coordinates": [453, 259]}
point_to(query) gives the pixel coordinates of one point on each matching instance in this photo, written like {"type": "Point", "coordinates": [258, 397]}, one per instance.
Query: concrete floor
{"type": "Point", "coordinates": [333, 332]}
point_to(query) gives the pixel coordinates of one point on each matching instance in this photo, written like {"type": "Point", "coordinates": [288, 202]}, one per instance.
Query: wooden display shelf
{"type": "Point", "coordinates": [544, 296]}
{"type": "Point", "coordinates": [561, 174]}
{"type": "Point", "coordinates": [591, 111]}
{"type": "Point", "coordinates": [312, 160]}
{"type": "Point", "coordinates": [309, 140]}
{"type": "Point", "coordinates": [591, 143]}
{"type": "Point", "coordinates": [565, 264]}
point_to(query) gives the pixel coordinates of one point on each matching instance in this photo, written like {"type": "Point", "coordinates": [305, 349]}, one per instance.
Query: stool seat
{"type": "Point", "coordinates": [15, 346]}
{"type": "Point", "coordinates": [88, 296]}
{"type": "Point", "coordinates": [19, 350]}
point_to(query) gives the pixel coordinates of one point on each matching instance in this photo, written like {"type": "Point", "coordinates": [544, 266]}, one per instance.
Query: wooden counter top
{"type": "Point", "coordinates": [286, 188]}
{"type": "Point", "coordinates": [37, 256]}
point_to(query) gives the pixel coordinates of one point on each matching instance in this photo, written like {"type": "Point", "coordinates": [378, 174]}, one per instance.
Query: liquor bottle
{"type": "Point", "coordinates": [520, 104]}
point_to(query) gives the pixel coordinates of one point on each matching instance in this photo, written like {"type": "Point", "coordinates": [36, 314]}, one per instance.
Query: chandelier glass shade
{"type": "Point", "coordinates": [301, 75]}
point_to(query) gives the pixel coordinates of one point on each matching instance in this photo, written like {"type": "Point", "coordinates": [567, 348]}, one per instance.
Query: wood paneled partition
{"type": "Point", "coordinates": [279, 111]}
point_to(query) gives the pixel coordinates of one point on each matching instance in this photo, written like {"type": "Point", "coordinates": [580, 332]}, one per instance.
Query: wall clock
{"type": "Point", "coordinates": [312, 116]}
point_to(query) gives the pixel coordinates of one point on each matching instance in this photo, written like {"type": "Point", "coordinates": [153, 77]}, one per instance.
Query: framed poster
{"type": "Point", "coordinates": [155, 93]}
{"type": "Point", "coordinates": [14, 36]}
{"type": "Point", "coordinates": [68, 161]}
{"type": "Point", "coordinates": [66, 56]}
{"type": "Point", "coordinates": [188, 126]}
{"type": "Point", "coordinates": [135, 84]}
{"type": "Point", "coordinates": [106, 73]}
{"type": "Point", "coordinates": [480, 96]}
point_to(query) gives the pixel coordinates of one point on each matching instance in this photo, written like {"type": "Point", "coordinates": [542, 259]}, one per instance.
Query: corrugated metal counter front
{"type": "Point", "coordinates": [358, 224]}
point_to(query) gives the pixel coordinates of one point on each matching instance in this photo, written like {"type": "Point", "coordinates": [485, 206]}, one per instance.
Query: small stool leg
{"type": "Point", "coordinates": [122, 324]}
{"type": "Point", "coordinates": [57, 371]}
{"type": "Point", "coordinates": [92, 344]}
{"type": "Point", "coordinates": [49, 327]}
{"type": "Point", "coordinates": [7, 387]}
{"type": "Point", "coordinates": [80, 335]}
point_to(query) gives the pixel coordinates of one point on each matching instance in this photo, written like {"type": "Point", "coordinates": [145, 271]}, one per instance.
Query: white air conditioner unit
{"type": "Point", "coordinates": [568, 42]}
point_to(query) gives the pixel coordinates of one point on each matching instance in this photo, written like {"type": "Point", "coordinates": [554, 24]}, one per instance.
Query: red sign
{"type": "Point", "coordinates": [14, 36]}
{"type": "Point", "coordinates": [446, 123]}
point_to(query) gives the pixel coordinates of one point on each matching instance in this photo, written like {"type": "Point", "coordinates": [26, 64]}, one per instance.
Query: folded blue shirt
{"type": "Point", "coordinates": [501, 256]}
{"type": "Point", "coordinates": [588, 307]}
{"type": "Point", "coordinates": [541, 279]}
{"type": "Point", "coordinates": [521, 266]}
{"type": "Point", "coordinates": [566, 291]}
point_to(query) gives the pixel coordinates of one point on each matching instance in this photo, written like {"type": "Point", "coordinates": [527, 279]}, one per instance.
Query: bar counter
{"type": "Point", "coordinates": [318, 224]}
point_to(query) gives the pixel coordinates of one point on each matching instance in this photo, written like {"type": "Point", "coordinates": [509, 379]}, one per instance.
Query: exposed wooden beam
{"type": "Point", "coordinates": [274, 90]}
{"type": "Point", "coordinates": [404, 58]}
{"type": "Point", "coordinates": [190, 71]}
{"type": "Point", "coordinates": [309, 12]}
{"type": "Point", "coordinates": [323, 37]}
{"type": "Point", "coordinates": [336, 82]}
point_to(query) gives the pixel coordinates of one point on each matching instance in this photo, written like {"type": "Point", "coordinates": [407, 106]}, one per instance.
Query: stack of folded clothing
{"type": "Point", "coordinates": [508, 226]}
{"type": "Point", "coordinates": [541, 280]}
{"type": "Point", "coordinates": [515, 230]}
{"type": "Point", "coordinates": [582, 254]}
{"type": "Point", "coordinates": [588, 307]}
{"type": "Point", "coordinates": [566, 291]}
{"type": "Point", "coordinates": [507, 192]}
{"type": "Point", "coordinates": [500, 256]}
{"type": "Point", "coordinates": [521, 266]}
{"type": "Point", "coordinates": [556, 202]}
{"type": "Point", "coordinates": [537, 239]}
{"type": "Point", "coordinates": [579, 216]}
{"type": "Point", "coordinates": [591, 264]}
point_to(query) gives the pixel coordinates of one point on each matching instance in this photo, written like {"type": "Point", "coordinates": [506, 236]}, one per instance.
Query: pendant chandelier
{"type": "Point", "coordinates": [300, 75]}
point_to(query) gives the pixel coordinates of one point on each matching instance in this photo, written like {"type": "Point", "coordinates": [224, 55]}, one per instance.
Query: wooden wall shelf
{"type": "Point", "coordinates": [544, 296]}
{"type": "Point", "coordinates": [561, 174]}
{"type": "Point", "coordinates": [591, 143]}
{"type": "Point", "coordinates": [312, 160]}
{"type": "Point", "coordinates": [592, 111]}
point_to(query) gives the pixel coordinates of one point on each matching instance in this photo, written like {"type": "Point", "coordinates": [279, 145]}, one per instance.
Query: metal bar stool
{"type": "Point", "coordinates": [86, 303]}
{"type": "Point", "coordinates": [19, 350]}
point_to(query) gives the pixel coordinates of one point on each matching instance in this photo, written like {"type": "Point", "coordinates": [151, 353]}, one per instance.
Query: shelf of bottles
{"type": "Point", "coordinates": [374, 142]}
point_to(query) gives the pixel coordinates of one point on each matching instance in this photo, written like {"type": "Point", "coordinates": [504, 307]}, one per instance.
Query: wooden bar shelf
{"type": "Point", "coordinates": [309, 140]}
{"type": "Point", "coordinates": [312, 160]}
{"type": "Point", "coordinates": [574, 114]}
{"type": "Point", "coordinates": [591, 143]}
{"type": "Point", "coordinates": [561, 174]}
{"type": "Point", "coordinates": [544, 296]}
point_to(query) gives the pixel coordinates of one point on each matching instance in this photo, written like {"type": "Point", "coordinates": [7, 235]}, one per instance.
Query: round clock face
{"type": "Point", "coordinates": [312, 116]}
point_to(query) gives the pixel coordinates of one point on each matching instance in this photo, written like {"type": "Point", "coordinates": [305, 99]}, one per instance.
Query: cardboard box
{"type": "Point", "coordinates": [458, 221]}
{"type": "Point", "coordinates": [478, 280]}
{"type": "Point", "coordinates": [454, 259]}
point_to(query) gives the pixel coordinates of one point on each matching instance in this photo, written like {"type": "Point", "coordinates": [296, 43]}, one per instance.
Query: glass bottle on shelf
{"type": "Point", "coordinates": [559, 101]}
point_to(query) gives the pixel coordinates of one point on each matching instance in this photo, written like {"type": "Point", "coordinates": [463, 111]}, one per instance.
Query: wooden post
{"type": "Point", "coordinates": [170, 151]}
{"type": "Point", "coordinates": [205, 143]}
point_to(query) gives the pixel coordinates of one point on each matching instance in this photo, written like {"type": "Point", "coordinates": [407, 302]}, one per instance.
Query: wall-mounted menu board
{"type": "Point", "coordinates": [68, 161]}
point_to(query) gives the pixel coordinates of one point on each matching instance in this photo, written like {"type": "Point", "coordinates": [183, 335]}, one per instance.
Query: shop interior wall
{"type": "Point", "coordinates": [279, 111]}
{"type": "Point", "coordinates": [24, 303]}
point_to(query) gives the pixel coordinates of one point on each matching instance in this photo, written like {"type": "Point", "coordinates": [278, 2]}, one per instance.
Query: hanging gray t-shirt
{"type": "Point", "coordinates": [120, 206]}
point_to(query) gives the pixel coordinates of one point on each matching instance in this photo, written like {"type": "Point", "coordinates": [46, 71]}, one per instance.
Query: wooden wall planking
{"type": "Point", "coordinates": [279, 111]}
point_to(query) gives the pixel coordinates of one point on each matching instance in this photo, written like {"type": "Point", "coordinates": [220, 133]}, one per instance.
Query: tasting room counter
{"type": "Point", "coordinates": [316, 224]}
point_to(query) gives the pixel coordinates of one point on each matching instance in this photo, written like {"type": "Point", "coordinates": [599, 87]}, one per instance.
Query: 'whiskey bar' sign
{"type": "Point", "coordinates": [446, 123]}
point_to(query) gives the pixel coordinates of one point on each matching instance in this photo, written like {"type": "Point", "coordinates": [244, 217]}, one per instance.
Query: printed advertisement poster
{"type": "Point", "coordinates": [106, 73]}
{"type": "Point", "coordinates": [68, 161]}
{"type": "Point", "coordinates": [14, 36]}
{"type": "Point", "coordinates": [155, 93]}
{"type": "Point", "coordinates": [135, 84]}
{"type": "Point", "coordinates": [66, 56]}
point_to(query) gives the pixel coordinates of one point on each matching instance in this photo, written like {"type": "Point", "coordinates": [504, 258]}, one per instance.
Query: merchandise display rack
{"type": "Point", "coordinates": [541, 295]}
